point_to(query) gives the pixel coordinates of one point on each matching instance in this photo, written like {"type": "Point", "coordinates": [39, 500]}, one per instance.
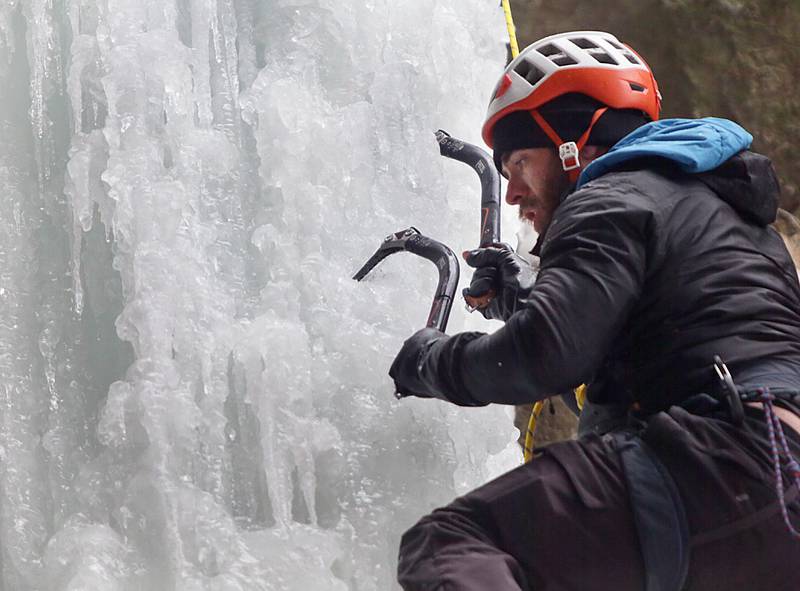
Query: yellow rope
{"type": "Point", "coordinates": [580, 396]}
{"type": "Point", "coordinates": [512, 31]}
{"type": "Point", "coordinates": [527, 452]}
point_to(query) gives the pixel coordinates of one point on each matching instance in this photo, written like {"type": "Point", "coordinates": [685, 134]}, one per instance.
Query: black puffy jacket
{"type": "Point", "coordinates": [646, 274]}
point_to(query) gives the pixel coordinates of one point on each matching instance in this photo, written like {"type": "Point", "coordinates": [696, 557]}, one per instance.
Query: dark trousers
{"type": "Point", "coordinates": [564, 521]}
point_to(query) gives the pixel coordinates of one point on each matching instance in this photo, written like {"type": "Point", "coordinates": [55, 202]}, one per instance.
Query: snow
{"type": "Point", "coordinates": [193, 392]}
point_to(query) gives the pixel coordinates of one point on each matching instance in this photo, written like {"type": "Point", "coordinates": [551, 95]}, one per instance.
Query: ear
{"type": "Point", "coordinates": [589, 153]}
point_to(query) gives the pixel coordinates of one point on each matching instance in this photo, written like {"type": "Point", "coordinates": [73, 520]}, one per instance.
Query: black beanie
{"type": "Point", "coordinates": [570, 116]}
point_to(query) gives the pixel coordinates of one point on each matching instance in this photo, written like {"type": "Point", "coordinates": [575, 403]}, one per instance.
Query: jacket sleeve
{"type": "Point", "coordinates": [593, 267]}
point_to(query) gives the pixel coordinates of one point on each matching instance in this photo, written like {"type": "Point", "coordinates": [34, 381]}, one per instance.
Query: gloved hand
{"type": "Point", "coordinates": [499, 270]}
{"type": "Point", "coordinates": [407, 368]}
{"type": "Point", "coordinates": [428, 366]}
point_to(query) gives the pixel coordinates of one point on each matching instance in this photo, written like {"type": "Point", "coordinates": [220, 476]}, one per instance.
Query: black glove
{"type": "Point", "coordinates": [501, 282]}
{"type": "Point", "coordinates": [406, 370]}
{"type": "Point", "coordinates": [428, 366]}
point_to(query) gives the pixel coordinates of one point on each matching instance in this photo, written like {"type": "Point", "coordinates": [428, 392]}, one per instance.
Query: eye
{"type": "Point", "coordinates": [512, 164]}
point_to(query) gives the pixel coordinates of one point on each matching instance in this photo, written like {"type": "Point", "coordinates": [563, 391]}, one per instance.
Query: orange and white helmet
{"type": "Point", "coordinates": [592, 63]}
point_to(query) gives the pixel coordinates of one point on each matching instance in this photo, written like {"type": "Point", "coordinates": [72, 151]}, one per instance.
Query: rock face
{"type": "Point", "coordinates": [788, 227]}
{"type": "Point", "coordinates": [728, 58]}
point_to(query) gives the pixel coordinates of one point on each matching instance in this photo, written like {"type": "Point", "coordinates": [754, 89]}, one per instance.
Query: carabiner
{"type": "Point", "coordinates": [731, 391]}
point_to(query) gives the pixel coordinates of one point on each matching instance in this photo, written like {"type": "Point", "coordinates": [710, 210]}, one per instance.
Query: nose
{"type": "Point", "coordinates": [514, 191]}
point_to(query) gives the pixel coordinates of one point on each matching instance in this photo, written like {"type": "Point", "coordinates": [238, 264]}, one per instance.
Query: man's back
{"type": "Point", "coordinates": [718, 280]}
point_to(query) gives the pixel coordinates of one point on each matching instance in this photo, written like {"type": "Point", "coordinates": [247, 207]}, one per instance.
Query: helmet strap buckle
{"type": "Point", "coordinates": [569, 154]}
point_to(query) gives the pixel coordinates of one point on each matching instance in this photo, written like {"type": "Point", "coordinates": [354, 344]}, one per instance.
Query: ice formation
{"type": "Point", "coordinates": [193, 390]}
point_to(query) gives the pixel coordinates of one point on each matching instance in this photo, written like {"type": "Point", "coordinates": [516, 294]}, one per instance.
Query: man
{"type": "Point", "coordinates": [663, 288]}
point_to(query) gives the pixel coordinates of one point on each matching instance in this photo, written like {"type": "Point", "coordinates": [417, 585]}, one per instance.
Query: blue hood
{"type": "Point", "coordinates": [696, 145]}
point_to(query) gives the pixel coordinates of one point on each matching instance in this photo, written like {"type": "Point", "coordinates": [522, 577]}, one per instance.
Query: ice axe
{"type": "Point", "coordinates": [411, 240]}
{"type": "Point", "coordinates": [481, 162]}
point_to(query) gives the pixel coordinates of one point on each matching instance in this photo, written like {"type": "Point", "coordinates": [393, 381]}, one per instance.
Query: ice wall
{"type": "Point", "coordinates": [193, 392]}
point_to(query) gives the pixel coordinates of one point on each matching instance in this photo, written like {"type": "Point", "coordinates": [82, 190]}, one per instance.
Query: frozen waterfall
{"type": "Point", "coordinates": [193, 391]}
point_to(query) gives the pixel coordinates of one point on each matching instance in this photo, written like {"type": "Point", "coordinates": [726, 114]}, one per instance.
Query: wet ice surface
{"type": "Point", "coordinates": [193, 390]}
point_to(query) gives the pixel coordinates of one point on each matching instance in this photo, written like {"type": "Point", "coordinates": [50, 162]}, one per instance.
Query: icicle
{"type": "Point", "coordinates": [6, 32]}
{"type": "Point", "coordinates": [203, 15]}
{"type": "Point", "coordinates": [225, 66]}
{"type": "Point", "coordinates": [46, 73]}
{"type": "Point", "coordinates": [48, 340]}
{"type": "Point", "coordinates": [88, 158]}
{"type": "Point", "coordinates": [245, 23]}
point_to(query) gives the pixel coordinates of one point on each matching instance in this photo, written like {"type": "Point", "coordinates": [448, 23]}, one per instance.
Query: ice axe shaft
{"type": "Point", "coordinates": [481, 162]}
{"type": "Point", "coordinates": [411, 240]}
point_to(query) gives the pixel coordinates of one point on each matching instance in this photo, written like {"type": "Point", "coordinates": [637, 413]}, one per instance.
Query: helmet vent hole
{"type": "Point", "coordinates": [548, 50]}
{"type": "Point", "coordinates": [631, 58]}
{"type": "Point", "coordinates": [636, 87]}
{"type": "Point", "coordinates": [614, 44]}
{"type": "Point", "coordinates": [529, 71]}
{"type": "Point", "coordinates": [562, 59]}
{"type": "Point", "coordinates": [602, 57]}
{"type": "Point", "coordinates": [584, 43]}
{"type": "Point", "coordinates": [557, 55]}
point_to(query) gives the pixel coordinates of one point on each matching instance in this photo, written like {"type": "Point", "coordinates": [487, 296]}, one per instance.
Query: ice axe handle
{"type": "Point", "coordinates": [481, 162]}
{"type": "Point", "coordinates": [447, 265]}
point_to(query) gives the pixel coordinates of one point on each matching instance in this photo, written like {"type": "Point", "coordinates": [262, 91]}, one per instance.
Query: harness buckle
{"type": "Point", "coordinates": [731, 392]}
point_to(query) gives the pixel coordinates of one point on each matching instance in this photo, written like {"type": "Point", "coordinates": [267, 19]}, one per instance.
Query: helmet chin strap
{"type": "Point", "coordinates": [569, 152]}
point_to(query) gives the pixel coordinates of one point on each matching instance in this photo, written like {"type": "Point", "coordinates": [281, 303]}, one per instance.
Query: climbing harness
{"type": "Point", "coordinates": [779, 446]}
{"type": "Point", "coordinates": [781, 454]}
